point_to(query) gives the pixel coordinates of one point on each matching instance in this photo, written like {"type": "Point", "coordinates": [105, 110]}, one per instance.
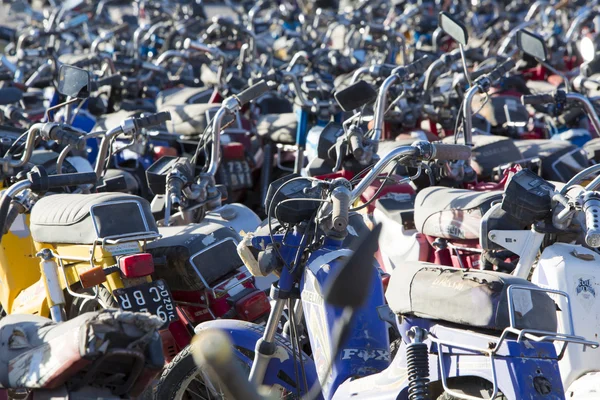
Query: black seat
{"type": "Point", "coordinates": [278, 128]}
{"type": "Point", "coordinates": [189, 119]}
{"type": "Point", "coordinates": [39, 353]}
{"type": "Point", "coordinates": [477, 299]}
{"type": "Point", "coordinates": [65, 218]}
{"type": "Point", "coordinates": [452, 213]}
{"type": "Point", "coordinates": [550, 151]}
{"type": "Point", "coordinates": [206, 249]}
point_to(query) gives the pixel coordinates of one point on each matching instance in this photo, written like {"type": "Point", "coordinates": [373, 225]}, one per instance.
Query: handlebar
{"type": "Point", "coordinates": [112, 80]}
{"type": "Point", "coordinates": [67, 137]}
{"type": "Point", "coordinates": [591, 208]}
{"type": "Point", "coordinates": [252, 92]}
{"type": "Point", "coordinates": [420, 150]}
{"type": "Point", "coordinates": [400, 73]}
{"type": "Point", "coordinates": [481, 84]}
{"type": "Point", "coordinates": [152, 120]}
{"type": "Point", "coordinates": [340, 201]}
{"type": "Point", "coordinates": [450, 152]}
{"type": "Point", "coordinates": [535, 99]}
{"type": "Point", "coordinates": [500, 71]}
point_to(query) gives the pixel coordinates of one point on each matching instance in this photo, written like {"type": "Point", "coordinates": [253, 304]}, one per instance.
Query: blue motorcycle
{"type": "Point", "coordinates": [461, 333]}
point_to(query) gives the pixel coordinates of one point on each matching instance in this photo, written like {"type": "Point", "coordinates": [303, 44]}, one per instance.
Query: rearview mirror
{"type": "Point", "coordinates": [455, 29]}
{"type": "Point", "coordinates": [73, 82]}
{"type": "Point", "coordinates": [532, 44]}
{"type": "Point", "coordinates": [355, 96]}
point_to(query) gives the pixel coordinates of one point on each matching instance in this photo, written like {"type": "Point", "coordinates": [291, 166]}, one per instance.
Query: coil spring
{"type": "Point", "coordinates": [417, 360]}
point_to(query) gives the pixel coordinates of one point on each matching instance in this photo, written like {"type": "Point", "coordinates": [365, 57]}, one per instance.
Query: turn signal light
{"type": "Point", "coordinates": [137, 265]}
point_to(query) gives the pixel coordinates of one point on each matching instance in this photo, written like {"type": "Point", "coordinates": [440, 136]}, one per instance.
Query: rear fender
{"type": "Point", "coordinates": [244, 336]}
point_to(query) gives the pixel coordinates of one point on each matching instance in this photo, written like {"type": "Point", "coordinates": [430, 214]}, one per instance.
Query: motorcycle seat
{"type": "Point", "coordinates": [36, 352]}
{"type": "Point", "coordinates": [452, 213]}
{"type": "Point", "coordinates": [550, 151]}
{"type": "Point", "coordinates": [472, 298]}
{"type": "Point", "coordinates": [112, 120]}
{"type": "Point", "coordinates": [206, 249]}
{"type": "Point", "coordinates": [66, 218]}
{"type": "Point", "coordinates": [181, 96]}
{"type": "Point", "coordinates": [189, 119]}
{"type": "Point", "coordinates": [278, 128]}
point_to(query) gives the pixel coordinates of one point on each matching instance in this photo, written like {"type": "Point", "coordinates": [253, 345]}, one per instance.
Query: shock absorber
{"type": "Point", "coordinates": [417, 361]}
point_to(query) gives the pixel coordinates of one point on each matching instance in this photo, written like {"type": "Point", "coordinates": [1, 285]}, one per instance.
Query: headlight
{"type": "Point", "coordinates": [587, 48]}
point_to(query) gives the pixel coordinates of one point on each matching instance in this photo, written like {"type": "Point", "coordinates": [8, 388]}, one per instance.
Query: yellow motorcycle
{"type": "Point", "coordinates": [74, 251]}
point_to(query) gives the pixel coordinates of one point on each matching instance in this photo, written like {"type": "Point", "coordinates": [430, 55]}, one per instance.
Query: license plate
{"type": "Point", "coordinates": [153, 297]}
{"type": "Point", "coordinates": [237, 174]}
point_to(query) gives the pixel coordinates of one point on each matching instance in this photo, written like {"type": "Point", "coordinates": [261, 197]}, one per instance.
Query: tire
{"type": "Point", "coordinates": [80, 305]}
{"type": "Point", "coordinates": [179, 377]}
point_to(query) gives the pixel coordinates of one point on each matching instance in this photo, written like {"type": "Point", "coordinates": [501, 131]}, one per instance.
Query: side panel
{"type": "Point", "coordinates": [366, 351]}
{"type": "Point", "coordinates": [576, 271]}
{"type": "Point", "coordinates": [280, 371]}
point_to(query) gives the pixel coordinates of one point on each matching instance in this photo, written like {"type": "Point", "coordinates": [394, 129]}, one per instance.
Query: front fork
{"type": "Point", "coordinates": [54, 292]}
{"type": "Point", "coordinates": [266, 347]}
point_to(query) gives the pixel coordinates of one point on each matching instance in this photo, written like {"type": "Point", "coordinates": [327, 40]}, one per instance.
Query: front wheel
{"type": "Point", "coordinates": [182, 379]}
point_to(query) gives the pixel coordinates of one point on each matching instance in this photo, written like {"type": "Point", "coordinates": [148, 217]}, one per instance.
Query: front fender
{"type": "Point", "coordinates": [280, 371]}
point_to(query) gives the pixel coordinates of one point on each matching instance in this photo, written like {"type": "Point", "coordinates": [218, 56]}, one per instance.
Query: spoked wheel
{"type": "Point", "coordinates": [182, 379]}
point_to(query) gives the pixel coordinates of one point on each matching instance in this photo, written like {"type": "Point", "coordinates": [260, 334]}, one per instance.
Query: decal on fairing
{"type": "Point", "coordinates": [585, 289]}
{"type": "Point", "coordinates": [366, 355]}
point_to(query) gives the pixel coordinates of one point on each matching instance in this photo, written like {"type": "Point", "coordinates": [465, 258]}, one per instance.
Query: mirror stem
{"type": "Point", "coordinates": [464, 61]}
{"type": "Point", "coordinates": [559, 73]}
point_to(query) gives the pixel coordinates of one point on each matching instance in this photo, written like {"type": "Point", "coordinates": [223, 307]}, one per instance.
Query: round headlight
{"type": "Point", "coordinates": [587, 48]}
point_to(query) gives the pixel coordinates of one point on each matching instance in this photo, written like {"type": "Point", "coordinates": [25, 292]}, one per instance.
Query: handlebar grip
{"type": "Point", "coordinates": [112, 80]}
{"type": "Point", "coordinates": [67, 137]}
{"type": "Point", "coordinates": [535, 99]}
{"type": "Point", "coordinates": [152, 120]}
{"type": "Point", "coordinates": [252, 92]}
{"type": "Point", "coordinates": [356, 146]}
{"type": "Point", "coordinates": [119, 29]}
{"type": "Point", "coordinates": [385, 70]}
{"type": "Point", "coordinates": [500, 71]}
{"type": "Point", "coordinates": [80, 178]}
{"type": "Point", "coordinates": [591, 208]}
{"type": "Point", "coordinates": [420, 65]}
{"type": "Point", "coordinates": [340, 201]}
{"type": "Point", "coordinates": [450, 152]}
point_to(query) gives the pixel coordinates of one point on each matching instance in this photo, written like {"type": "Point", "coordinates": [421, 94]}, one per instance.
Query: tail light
{"type": "Point", "coordinates": [137, 265]}
{"type": "Point", "coordinates": [253, 306]}
{"type": "Point", "coordinates": [160, 151]}
{"type": "Point", "coordinates": [233, 151]}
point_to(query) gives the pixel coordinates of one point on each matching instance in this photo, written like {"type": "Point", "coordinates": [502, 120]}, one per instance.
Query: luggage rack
{"type": "Point", "coordinates": [530, 334]}
{"type": "Point", "coordinates": [498, 171]}
{"type": "Point", "coordinates": [130, 237]}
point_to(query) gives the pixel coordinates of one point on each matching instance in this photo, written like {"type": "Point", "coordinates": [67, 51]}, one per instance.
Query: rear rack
{"type": "Point", "coordinates": [530, 334]}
